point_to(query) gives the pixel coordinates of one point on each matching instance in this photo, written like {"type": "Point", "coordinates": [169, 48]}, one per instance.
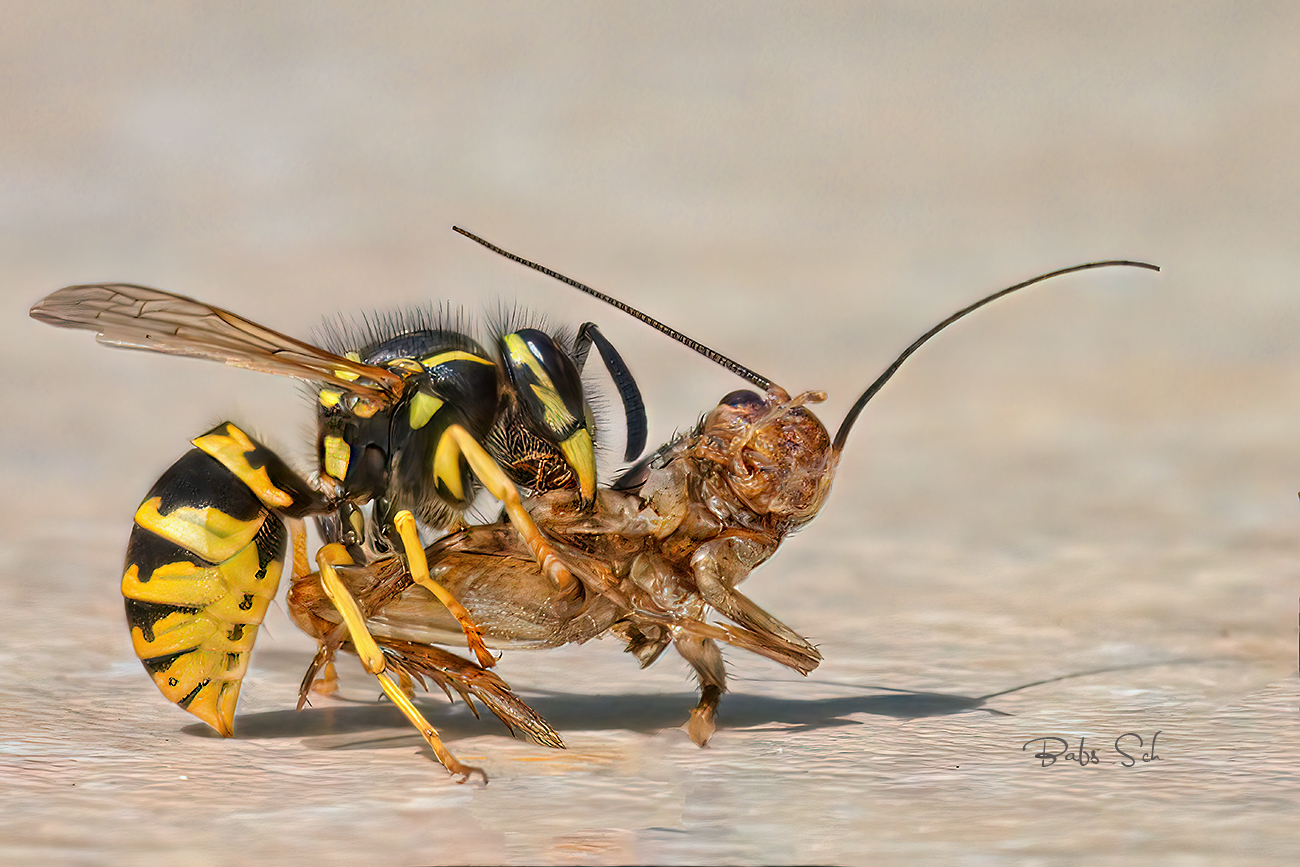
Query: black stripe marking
{"type": "Point", "coordinates": [156, 664]}
{"type": "Point", "coordinates": [199, 480]}
{"type": "Point", "coordinates": [270, 544]}
{"type": "Point", "coordinates": [147, 550]}
{"type": "Point", "coordinates": [146, 615]}
{"type": "Point", "coordinates": [194, 693]}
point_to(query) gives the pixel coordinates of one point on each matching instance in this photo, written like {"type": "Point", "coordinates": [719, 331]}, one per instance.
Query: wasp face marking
{"type": "Point", "coordinates": [549, 389]}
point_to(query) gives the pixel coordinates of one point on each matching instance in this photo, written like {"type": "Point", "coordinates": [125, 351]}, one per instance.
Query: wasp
{"type": "Point", "coordinates": [414, 417]}
{"type": "Point", "coordinates": [657, 554]}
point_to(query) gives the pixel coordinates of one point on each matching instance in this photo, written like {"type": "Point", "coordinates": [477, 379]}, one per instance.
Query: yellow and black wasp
{"type": "Point", "coordinates": [413, 417]}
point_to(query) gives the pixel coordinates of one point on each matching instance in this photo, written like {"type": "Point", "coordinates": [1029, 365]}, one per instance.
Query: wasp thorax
{"type": "Point", "coordinates": [776, 454]}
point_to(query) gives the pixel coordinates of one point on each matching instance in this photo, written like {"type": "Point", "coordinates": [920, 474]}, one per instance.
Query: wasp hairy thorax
{"type": "Point", "coordinates": [413, 418]}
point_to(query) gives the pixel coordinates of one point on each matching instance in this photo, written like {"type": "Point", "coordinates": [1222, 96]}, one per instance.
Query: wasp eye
{"type": "Point", "coordinates": [548, 387]}
{"type": "Point", "coordinates": [741, 399]}
{"type": "Point", "coordinates": [546, 381]}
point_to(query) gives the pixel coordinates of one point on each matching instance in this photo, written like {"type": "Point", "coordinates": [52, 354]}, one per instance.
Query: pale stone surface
{"type": "Point", "coordinates": [1096, 479]}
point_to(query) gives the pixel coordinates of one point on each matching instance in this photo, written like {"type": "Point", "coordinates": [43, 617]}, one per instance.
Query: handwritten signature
{"type": "Point", "coordinates": [1131, 745]}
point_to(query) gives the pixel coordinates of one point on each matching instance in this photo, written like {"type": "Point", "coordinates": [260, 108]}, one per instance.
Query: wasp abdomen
{"type": "Point", "coordinates": [203, 564]}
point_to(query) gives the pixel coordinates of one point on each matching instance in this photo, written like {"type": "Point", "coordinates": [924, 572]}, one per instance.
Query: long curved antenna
{"type": "Point", "coordinates": [843, 433]}
{"type": "Point", "coordinates": [735, 367]}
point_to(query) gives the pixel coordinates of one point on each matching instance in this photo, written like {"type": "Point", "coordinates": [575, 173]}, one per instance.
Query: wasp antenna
{"type": "Point", "coordinates": [716, 357]}
{"type": "Point", "coordinates": [843, 433]}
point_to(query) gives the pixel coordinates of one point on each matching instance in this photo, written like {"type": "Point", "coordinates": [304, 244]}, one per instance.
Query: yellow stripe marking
{"type": "Point", "coordinates": [240, 575]}
{"type": "Point", "coordinates": [172, 634]}
{"type": "Point", "coordinates": [555, 413]}
{"type": "Point", "coordinates": [238, 607]}
{"type": "Point", "coordinates": [405, 365]}
{"type": "Point", "coordinates": [232, 449]}
{"type": "Point", "coordinates": [348, 375]}
{"type": "Point", "coordinates": [175, 584]}
{"type": "Point", "coordinates": [337, 455]}
{"type": "Point", "coordinates": [208, 532]}
{"type": "Point", "coordinates": [423, 407]}
{"type": "Point", "coordinates": [455, 355]}
{"type": "Point", "coordinates": [519, 353]}
{"type": "Point", "coordinates": [329, 398]}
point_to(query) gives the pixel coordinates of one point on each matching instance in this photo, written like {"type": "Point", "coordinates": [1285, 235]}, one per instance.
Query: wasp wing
{"type": "Point", "coordinates": [137, 317]}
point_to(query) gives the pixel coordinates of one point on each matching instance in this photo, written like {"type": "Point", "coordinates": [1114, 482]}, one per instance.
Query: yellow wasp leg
{"type": "Point", "coordinates": [500, 486]}
{"type": "Point", "coordinates": [419, 568]}
{"type": "Point", "coordinates": [373, 658]}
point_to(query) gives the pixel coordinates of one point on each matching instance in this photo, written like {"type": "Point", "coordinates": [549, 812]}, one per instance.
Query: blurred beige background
{"type": "Point", "coordinates": [1099, 474]}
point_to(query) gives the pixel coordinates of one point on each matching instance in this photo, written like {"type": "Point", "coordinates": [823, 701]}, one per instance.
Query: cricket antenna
{"type": "Point", "coordinates": [735, 367]}
{"type": "Point", "coordinates": [843, 433]}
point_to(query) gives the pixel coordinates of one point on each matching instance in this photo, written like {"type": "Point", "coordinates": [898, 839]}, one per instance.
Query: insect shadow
{"type": "Point", "coordinates": [334, 723]}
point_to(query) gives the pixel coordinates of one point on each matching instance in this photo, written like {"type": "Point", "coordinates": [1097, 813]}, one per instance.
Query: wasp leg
{"type": "Point", "coordinates": [500, 486]}
{"type": "Point", "coordinates": [373, 658]}
{"type": "Point", "coordinates": [705, 657]}
{"type": "Point", "coordinates": [418, 565]}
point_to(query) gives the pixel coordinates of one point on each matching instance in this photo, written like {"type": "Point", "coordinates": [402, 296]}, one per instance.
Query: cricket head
{"type": "Point", "coordinates": [771, 452]}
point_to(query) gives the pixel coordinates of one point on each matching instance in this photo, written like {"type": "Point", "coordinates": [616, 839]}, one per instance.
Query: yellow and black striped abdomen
{"type": "Point", "coordinates": [202, 566]}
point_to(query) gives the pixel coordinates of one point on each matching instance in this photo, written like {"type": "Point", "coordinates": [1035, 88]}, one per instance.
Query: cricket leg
{"type": "Point", "coordinates": [323, 663]}
{"type": "Point", "coordinates": [705, 657]}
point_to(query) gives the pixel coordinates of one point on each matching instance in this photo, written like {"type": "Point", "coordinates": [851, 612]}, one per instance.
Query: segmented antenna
{"type": "Point", "coordinates": [843, 433]}
{"type": "Point", "coordinates": [763, 382]}
{"type": "Point", "coordinates": [735, 367]}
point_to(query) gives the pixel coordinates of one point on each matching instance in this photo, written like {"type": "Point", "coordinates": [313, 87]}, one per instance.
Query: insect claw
{"type": "Point", "coordinates": [701, 725]}
{"type": "Point", "coordinates": [467, 771]}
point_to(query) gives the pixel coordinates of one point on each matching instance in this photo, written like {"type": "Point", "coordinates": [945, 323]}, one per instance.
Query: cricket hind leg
{"type": "Point", "coordinates": [372, 657]}
{"type": "Point", "coordinates": [703, 655]}
{"type": "Point", "coordinates": [451, 672]}
{"type": "Point", "coordinates": [322, 664]}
